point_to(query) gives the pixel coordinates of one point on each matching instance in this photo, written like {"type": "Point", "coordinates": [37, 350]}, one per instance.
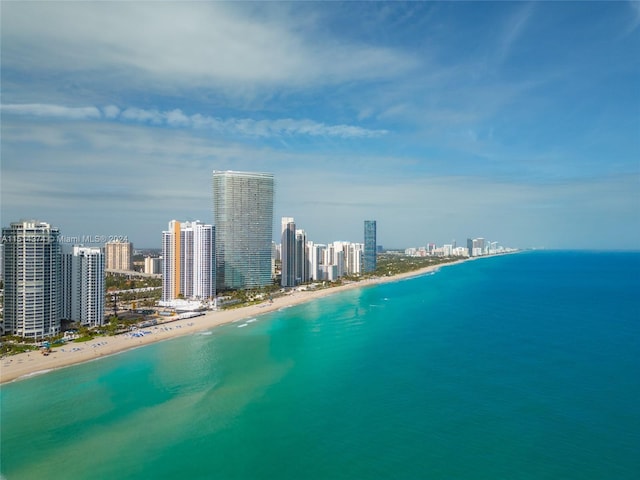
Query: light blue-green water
{"type": "Point", "coordinates": [517, 367]}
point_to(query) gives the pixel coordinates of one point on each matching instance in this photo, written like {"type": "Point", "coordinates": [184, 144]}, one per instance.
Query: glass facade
{"type": "Point", "coordinates": [369, 264]}
{"type": "Point", "coordinates": [288, 253]}
{"type": "Point", "coordinates": [243, 220]}
{"type": "Point", "coordinates": [302, 262]}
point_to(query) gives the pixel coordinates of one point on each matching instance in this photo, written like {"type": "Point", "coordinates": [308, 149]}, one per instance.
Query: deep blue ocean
{"type": "Point", "coordinates": [522, 366]}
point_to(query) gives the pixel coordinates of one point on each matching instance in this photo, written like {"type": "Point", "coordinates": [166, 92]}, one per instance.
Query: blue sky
{"type": "Point", "coordinates": [518, 122]}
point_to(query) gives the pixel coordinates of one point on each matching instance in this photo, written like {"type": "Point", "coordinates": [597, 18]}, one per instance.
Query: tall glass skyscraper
{"type": "Point", "coordinates": [369, 264]}
{"type": "Point", "coordinates": [243, 219]}
{"type": "Point", "coordinates": [288, 252]}
{"type": "Point", "coordinates": [32, 279]}
{"type": "Point", "coordinates": [302, 260]}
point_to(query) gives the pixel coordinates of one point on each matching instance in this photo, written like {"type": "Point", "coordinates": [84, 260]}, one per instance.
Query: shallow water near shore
{"type": "Point", "coordinates": [521, 366]}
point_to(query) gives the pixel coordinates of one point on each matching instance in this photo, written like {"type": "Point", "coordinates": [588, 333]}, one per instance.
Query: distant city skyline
{"type": "Point", "coordinates": [515, 121]}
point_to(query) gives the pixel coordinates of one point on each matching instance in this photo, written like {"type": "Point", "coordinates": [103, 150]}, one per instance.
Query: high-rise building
{"type": "Point", "coordinates": [1, 259]}
{"type": "Point", "coordinates": [171, 264]}
{"type": "Point", "coordinates": [369, 258]}
{"type": "Point", "coordinates": [353, 258]}
{"type": "Point", "coordinates": [338, 260]}
{"type": "Point", "coordinates": [475, 246]}
{"type": "Point", "coordinates": [316, 259]}
{"type": "Point", "coordinates": [302, 258]}
{"type": "Point", "coordinates": [32, 279]}
{"type": "Point", "coordinates": [153, 265]}
{"type": "Point", "coordinates": [188, 267]}
{"type": "Point", "coordinates": [288, 253]}
{"type": "Point", "coordinates": [293, 253]}
{"type": "Point", "coordinates": [204, 261]}
{"type": "Point", "coordinates": [83, 280]}
{"type": "Point", "coordinates": [243, 218]}
{"type": "Point", "coordinates": [119, 255]}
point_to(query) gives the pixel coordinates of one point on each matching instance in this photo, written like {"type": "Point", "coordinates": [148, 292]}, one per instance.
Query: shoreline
{"type": "Point", "coordinates": [29, 364]}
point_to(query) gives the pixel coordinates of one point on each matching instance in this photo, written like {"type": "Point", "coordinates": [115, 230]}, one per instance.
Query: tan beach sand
{"type": "Point", "coordinates": [32, 363]}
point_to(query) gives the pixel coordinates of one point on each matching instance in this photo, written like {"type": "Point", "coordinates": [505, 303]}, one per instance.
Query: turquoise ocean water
{"type": "Point", "coordinates": [523, 366]}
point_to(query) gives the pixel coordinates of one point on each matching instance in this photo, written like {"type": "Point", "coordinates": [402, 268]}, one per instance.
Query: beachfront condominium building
{"type": "Point", "coordinates": [188, 267]}
{"type": "Point", "coordinates": [32, 279]}
{"type": "Point", "coordinates": [171, 266]}
{"type": "Point", "coordinates": [119, 255]}
{"type": "Point", "coordinates": [288, 267]}
{"type": "Point", "coordinates": [315, 254]}
{"type": "Point", "coordinates": [352, 257]}
{"type": "Point", "coordinates": [293, 254]}
{"type": "Point", "coordinates": [83, 280]}
{"type": "Point", "coordinates": [243, 218]}
{"type": "Point", "coordinates": [302, 257]}
{"type": "Point", "coordinates": [370, 249]}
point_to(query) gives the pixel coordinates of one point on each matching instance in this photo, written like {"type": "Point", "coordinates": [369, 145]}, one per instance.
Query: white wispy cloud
{"type": "Point", "coordinates": [110, 111]}
{"type": "Point", "coordinates": [157, 174]}
{"type": "Point", "coordinates": [91, 90]}
{"type": "Point", "coordinates": [187, 44]}
{"type": "Point", "coordinates": [514, 30]}
{"type": "Point", "coordinates": [177, 119]}
{"type": "Point", "coordinates": [144, 116]}
{"type": "Point", "coordinates": [635, 16]}
{"type": "Point", "coordinates": [56, 111]}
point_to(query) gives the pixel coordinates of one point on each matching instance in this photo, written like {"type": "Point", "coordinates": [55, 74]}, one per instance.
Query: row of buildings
{"type": "Point", "coordinates": [198, 259]}
{"type": "Point", "coordinates": [303, 261]}
{"type": "Point", "coordinates": [44, 285]}
{"type": "Point", "coordinates": [476, 247]}
{"type": "Point", "coordinates": [189, 270]}
{"type": "Point", "coordinates": [237, 251]}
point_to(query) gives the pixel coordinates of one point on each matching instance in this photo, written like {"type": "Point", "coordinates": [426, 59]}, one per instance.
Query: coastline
{"type": "Point", "coordinates": [28, 364]}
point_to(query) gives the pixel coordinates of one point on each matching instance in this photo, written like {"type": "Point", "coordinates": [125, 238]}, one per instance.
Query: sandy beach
{"type": "Point", "coordinates": [27, 364]}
